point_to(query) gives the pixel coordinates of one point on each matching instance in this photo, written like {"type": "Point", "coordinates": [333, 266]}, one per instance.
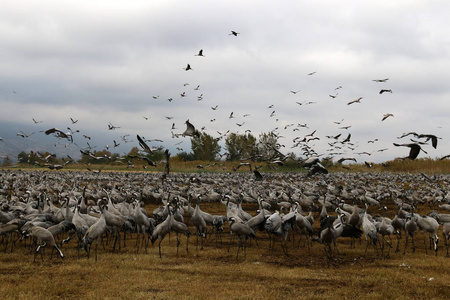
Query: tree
{"type": "Point", "coordinates": [267, 146]}
{"type": "Point", "coordinates": [240, 146]}
{"type": "Point", "coordinates": [184, 156]}
{"type": "Point", "coordinates": [6, 161]}
{"type": "Point", "coordinates": [22, 157]}
{"type": "Point", "coordinates": [205, 147]}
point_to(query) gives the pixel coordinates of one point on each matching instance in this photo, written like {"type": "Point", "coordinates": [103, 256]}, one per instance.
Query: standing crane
{"type": "Point", "coordinates": [370, 231]}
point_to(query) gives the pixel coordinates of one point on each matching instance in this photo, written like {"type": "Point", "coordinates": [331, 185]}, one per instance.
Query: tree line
{"type": "Point", "coordinates": [204, 147]}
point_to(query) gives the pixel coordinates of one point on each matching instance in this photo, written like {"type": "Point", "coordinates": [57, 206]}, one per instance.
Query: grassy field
{"type": "Point", "coordinates": [214, 273]}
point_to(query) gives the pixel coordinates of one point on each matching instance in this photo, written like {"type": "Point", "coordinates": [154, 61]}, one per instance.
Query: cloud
{"type": "Point", "coordinates": [103, 62]}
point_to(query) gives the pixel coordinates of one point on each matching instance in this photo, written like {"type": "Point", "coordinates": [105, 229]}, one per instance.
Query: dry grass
{"type": "Point", "coordinates": [424, 165]}
{"type": "Point", "coordinates": [214, 273]}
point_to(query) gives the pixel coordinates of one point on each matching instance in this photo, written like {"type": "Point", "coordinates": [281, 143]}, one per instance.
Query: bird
{"type": "Point", "coordinates": [358, 100]}
{"type": "Point", "coordinates": [406, 134]}
{"type": "Point", "coordinates": [279, 226]}
{"type": "Point", "coordinates": [341, 160]}
{"type": "Point", "coordinates": [199, 222]}
{"type": "Point", "coordinates": [295, 92]}
{"type": "Point", "coordinates": [112, 127]}
{"type": "Point", "coordinates": [242, 231]}
{"type": "Point", "coordinates": [43, 236]}
{"type": "Point", "coordinates": [73, 121]}
{"type": "Point", "coordinates": [370, 231]}
{"type": "Point", "coordinates": [161, 230]}
{"type": "Point", "coordinates": [327, 235]}
{"type": "Point", "coordinates": [317, 168]}
{"type": "Point", "coordinates": [24, 135]}
{"type": "Point", "coordinates": [385, 229]}
{"type": "Point", "coordinates": [258, 176]}
{"type": "Point", "coordinates": [234, 33]}
{"type": "Point", "coordinates": [431, 226]}
{"type": "Point", "coordinates": [410, 230]}
{"type": "Point", "coordinates": [36, 122]}
{"type": "Point", "coordinates": [434, 139]}
{"type": "Point", "coordinates": [385, 91]}
{"type": "Point", "coordinates": [446, 235]}
{"type": "Point", "coordinates": [190, 130]}
{"type": "Point", "coordinates": [312, 73]}
{"type": "Point", "coordinates": [59, 134]}
{"type": "Point", "coordinates": [380, 80]}
{"type": "Point", "coordinates": [188, 67]}
{"type": "Point", "coordinates": [200, 53]}
{"type": "Point", "coordinates": [144, 146]}
{"type": "Point", "coordinates": [414, 152]}
{"type": "Point", "coordinates": [385, 116]}
{"type": "Point", "coordinates": [347, 139]}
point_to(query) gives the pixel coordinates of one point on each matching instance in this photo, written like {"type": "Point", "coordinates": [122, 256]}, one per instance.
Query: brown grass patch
{"type": "Point", "coordinates": [214, 273]}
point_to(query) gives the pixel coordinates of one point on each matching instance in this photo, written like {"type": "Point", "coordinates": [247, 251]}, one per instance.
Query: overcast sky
{"type": "Point", "coordinates": [105, 61]}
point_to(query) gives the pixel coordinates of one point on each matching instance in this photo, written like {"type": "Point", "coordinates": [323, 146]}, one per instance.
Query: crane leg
{"type": "Point", "coordinates": [96, 248]}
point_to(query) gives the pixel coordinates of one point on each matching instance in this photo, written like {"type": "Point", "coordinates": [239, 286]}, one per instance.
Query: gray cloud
{"type": "Point", "coordinates": [104, 62]}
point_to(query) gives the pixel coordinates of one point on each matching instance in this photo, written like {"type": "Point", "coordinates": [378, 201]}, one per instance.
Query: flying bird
{"type": "Point", "coordinates": [190, 130]}
{"type": "Point", "coordinates": [414, 150]}
{"type": "Point", "coordinates": [112, 127]}
{"type": "Point", "coordinates": [358, 100]}
{"type": "Point", "coordinates": [406, 134]}
{"type": "Point", "coordinates": [295, 92]}
{"type": "Point", "coordinates": [385, 116]}
{"type": "Point", "coordinates": [60, 134]}
{"type": "Point", "coordinates": [200, 53]}
{"type": "Point", "coordinates": [73, 121]}
{"type": "Point", "coordinates": [334, 96]}
{"type": "Point", "coordinates": [341, 160]}
{"type": "Point", "coordinates": [144, 146]}
{"type": "Point", "coordinates": [428, 137]}
{"type": "Point", "coordinates": [188, 67]}
{"type": "Point", "coordinates": [380, 80]}
{"type": "Point", "coordinates": [231, 116]}
{"type": "Point", "coordinates": [312, 73]}
{"type": "Point", "coordinates": [385, 91]}
{"type": "Point", "coordinates": [24, 135]}
{"type": "Point", "coordinates": [234, 33]}
{"type": "Point", "coordinates": [36, 122]}
{"type": "Point", "coordinates": [347, 139]}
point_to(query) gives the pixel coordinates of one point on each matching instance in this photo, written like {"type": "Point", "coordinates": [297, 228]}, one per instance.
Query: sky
{"type": "Point", "coordinates": [119, 62]}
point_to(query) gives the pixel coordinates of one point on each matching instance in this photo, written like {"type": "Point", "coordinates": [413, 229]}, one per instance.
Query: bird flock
{"type": "Point", "coordinates": [97, 212]}
{"type": "Point", "coordinates": [304, 144]}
